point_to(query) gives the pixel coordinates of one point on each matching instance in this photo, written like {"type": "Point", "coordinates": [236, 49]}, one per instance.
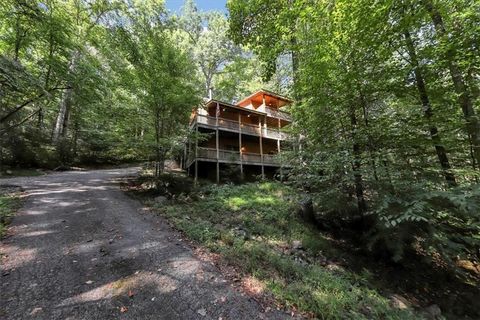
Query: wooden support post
{"type": "Point", "coordinates": [217, 142]}
{"type": "Point", "coordinates": [261, 145]}
{"type": "Point", "coordinates": [240, 144]}
{"type": "Point", "coordinates": [187, 153]}
{"type": "Point", "coordinates": [196, 154]}
{"type": "Point", "coordinates": [218, 158]}
{"type": "Point", "coordinates": [185, 156]}
{"type": "Point", "coordinates": [279, 125]}
{"type": "Point", "coordinates": [278, 148]}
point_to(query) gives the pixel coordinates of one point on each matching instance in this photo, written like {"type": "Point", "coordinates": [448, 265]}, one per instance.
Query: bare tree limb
{"type": "Point", "coordinates": [5, 130]}
{"type": "Point", "coordinates": [29, 101]}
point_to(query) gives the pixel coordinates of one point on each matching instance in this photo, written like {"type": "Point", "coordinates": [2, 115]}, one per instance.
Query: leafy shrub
{"type": "Point", "coordinates": [444, 222]}
{"type": "Point", "coordinates": [403, 215]}
{"type": "Point", "coordinates": [251, 225]}
{"type": "Point", "coordinates": [8, 204]}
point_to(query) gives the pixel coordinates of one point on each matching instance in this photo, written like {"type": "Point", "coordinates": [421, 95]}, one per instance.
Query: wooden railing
{"type": "Point", "coordinates": [206, 120]}
{"type": "Point", "coordinates": [270, 158]}
{"type": "Point", "coordinates": [250, 129]}
{"type": "Point", "coordinates": [234, 156]}
{"type": "Point", "coordinates": [279, 114]}
{"type": "Point", "coordinates": [251, 157]}
{"type": "Point", "coordinates": [245, 128]}
{"type": "Point", "coordinates": [207, 153]}
{"type": "Point", "coordinates": [274, 134]}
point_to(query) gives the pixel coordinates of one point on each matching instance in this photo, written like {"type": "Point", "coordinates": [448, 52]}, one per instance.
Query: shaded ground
{"type": "Point", "coordinates": [81, 249]}
{"type": "Point", "coordinates": [254, 228]}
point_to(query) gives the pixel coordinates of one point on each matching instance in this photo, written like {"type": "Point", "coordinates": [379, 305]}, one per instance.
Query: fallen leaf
{"type": "Point", "coordinates": [123, 309]}
{"type": "Point", "coordinates": [130, 293]}
{"type": "Point", "coordinates": [36, 310]}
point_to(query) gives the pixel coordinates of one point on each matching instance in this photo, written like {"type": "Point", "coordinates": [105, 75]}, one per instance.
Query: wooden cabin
{"type": "Point", "coordinates": [246, 136]}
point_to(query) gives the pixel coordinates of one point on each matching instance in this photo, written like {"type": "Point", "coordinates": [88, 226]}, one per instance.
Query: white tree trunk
{"type": "Point", "coordinates": [64, 108]}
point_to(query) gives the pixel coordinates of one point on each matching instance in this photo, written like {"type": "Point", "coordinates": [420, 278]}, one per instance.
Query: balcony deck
{"type": "Point", "coordinates": [234, 157]}
{"type": "Point", "coordinates": [279, 114]}
{"type": "Point", "coordinates": [235, 126]}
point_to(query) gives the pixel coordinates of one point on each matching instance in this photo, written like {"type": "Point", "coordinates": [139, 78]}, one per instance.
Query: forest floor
{"type": "Point", "coordinates": [20, 172]}
{"type": "Point", "coordinates": [252, 232]}
{"type": "Point", "coordinates": [79, 248]}
{"type": "Point", "coordinates": [10, 201]}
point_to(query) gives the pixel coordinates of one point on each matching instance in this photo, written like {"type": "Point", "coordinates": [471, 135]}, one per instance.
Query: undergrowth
{"type": "Point", "coordinates": [9, 203]}
{"type": "Point", "coordinates": [20, 172]}
{"type": "Point", "coordinates": [255, 227]}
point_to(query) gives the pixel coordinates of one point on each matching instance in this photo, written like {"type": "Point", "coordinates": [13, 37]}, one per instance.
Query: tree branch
{"type": "Point", "coordinates": [20, 123]}
{"type": "Point", "coordinates": [29, 101]}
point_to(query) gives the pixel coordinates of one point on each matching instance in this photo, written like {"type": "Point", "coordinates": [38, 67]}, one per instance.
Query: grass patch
{"type": "Point", "coordinates": [254, 226]}
{"type": "Point", "coordinates": [11, 173]}
{"type": "Point", "coordinates": [9, 203]}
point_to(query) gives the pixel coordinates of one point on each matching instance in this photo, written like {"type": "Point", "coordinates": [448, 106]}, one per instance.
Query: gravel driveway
{"type": "Point", "coordinates": [81, 249]}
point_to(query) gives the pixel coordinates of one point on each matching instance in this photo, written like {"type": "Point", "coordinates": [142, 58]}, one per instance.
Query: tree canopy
{"type": "Point", "coordinates": [387, 105]}
{"type": "Point", "coordinates": [386, 131]}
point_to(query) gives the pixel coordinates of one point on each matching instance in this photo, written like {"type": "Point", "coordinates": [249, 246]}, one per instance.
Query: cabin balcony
{"type": "Point", "coordinates": [234, 157]}
{"type": "Point", "coordinates": [278, 114]}
{"type": "Point", "coordinates": [238, 127]}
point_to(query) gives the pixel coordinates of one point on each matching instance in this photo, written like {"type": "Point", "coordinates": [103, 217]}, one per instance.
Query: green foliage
{"type": "Point", "coordinates": [161, 73]}
{"type": "Point", "coordinates": [13, 172]}
{"type": "Point", "coordinates": [8, 204]}
{"type": "Point", "coordinates": [443, 222]}
{"type": "Point", "coordinates": [231, 71]}
{"type": "Point", "coordinates": [252, 224]}
{"type": "Point", "coordinates": [48, 55]}
{"type": "Point", "coordinates": [385, 126]}
{"type": "Point", "coordinates": [110, 81]}
{"type": "Point", "coordinates": [87, 81]}
{"type": "Point", "coordinates": [267, 26]}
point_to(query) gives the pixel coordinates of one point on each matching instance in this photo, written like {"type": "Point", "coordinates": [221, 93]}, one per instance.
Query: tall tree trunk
{"type": "Point", "coordinates": [464, 99]}
{"type": "Point", "coordinates": [19, 35]}
{"type": "Point", "coordinates": [357, 165]}
{"type": "Point", "coordinates": [389, 176]}
{"type": "Point", "coordinates": [208, 86]}
{"type": "Point", "coordinates": [61, 124]}
{"type": "Point", "coordinates": [295, 55]}
{"type": "Point", "coordinates": [428, 112]}
{"type": "Point", "coordinates": [363, 104]}
{"type": "Point", "coordinates": [76, 129]}
{"type": "Point", "coordinates": [1, 149]}
{"type": "Point", "coordinates": [295, 67]}
{"type": "Point", "coordinates": [161, 159]}
{"type": "Point", "coordinates": [157, 143]}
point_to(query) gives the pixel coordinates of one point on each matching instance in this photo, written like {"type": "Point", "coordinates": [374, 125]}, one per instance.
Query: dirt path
{"type": "Point", "coordinates": [81, 249]}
